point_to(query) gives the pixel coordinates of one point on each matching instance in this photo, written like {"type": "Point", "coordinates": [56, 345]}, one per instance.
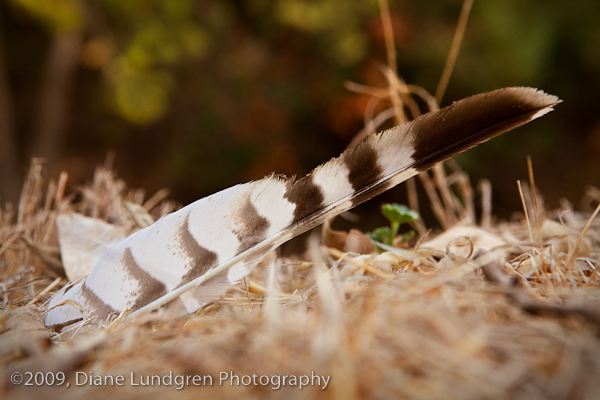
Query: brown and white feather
{"type": "Point", "coordinates": [195, 254]}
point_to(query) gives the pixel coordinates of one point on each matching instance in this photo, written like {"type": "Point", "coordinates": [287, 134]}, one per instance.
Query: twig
{"type": "Point", "coordinates": [581, 236]}
{"type": "Point", "coordinates": [46, 290]}
{"type": "Point", "coordinates": [397, 97]}
{"type": "Point", "coordinates": [436, 204]}
{"type": "Point", "coordinates": [525, 210]}
{"type": "Point", "coordinates": [60, 191]}
{"type": "Point", "coordinates": [405, 94]}
{"type": "Point", "coordinates": [536, 211]}
{"type": "Point", "coordinates": [156, 198]}
{"type": "Point", "coordinates": [380, 93]}
{"type": "Point", "coordinates": [494, 272]}
{"type": "Point", "coordinates": [389, 35]}
{"type": "Point", "coordinates": [369, 111]}
{"type": "Point", "coordinates": [425, 95]}
{"type": "Point", "coordinates": [454, 49]}
{"type": "Point", "coordinates": [390, 47]}
{"type": "Point", "coordinates": [371, 126]}
{"type": "Point", "coordinates": [248, 294]}
{"type": "Point", "coordinates": [413, 203]}
{"type": "Point", "coordinates": [486, 203]}
{"type": "Point", "coordinates": [10, 241]}
{"type": "Point", "coordinates": [439, 175]}
{"type": "Point", "coordinates": [464, 184]}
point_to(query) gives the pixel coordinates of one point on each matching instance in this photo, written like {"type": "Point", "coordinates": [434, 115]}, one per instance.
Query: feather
{"type": "Point", "coordinates": [192, 256]}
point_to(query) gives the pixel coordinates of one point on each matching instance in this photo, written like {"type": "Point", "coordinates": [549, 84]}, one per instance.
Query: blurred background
{"type": "Point", "coordinates": [198, 95]}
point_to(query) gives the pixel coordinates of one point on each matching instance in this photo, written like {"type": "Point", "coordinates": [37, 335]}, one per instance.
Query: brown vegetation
{"type": "Point", "coordinates": [517, 318]}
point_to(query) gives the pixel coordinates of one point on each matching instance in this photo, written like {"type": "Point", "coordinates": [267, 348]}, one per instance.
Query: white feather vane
{"type": "Point", "coordinates": [192, 256]}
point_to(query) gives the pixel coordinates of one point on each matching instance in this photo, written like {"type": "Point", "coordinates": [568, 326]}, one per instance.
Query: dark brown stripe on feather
{"type": "Point", "coordinates": [371, 192]}
{"type": "Point", "coordinates": [306, 195]}
{"type": "Point", "coordinates": [202, 258]}
{"type": "Point", "coordinates": [442, 134]}
{"type": "Point", "coordinates": [363, 168]}
{"type": "Point", "coordinates": [252, 227]}
{"type": "Point", "coordinates": [98, 307]}
{"type": "Point", "coordinates": [149, 289]}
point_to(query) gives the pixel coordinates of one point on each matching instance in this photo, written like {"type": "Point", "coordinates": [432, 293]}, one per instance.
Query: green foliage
{"type": "Point", "coordinates": [338, 25]}
{"type": "Point", "coordinates": [165, 33]}
{"type": "Point", "coordinates": [149, 38]}
{"type": "Point", "coordinates": [141, 95]}
{"type": "Point", "coordinates": [272, 73]}
{"type": "Point", "coordinates": [520, 39]}
{"type": "Point", "coordinates": [397, 214]}
{"type": "Point", "coordinates": [55, 15]}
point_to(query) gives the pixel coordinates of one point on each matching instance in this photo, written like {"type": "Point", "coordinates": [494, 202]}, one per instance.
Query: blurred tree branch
{"type": "Point", "coordinates": [10, 176]}
{"type": "Point", "coordinates": [53, 108]}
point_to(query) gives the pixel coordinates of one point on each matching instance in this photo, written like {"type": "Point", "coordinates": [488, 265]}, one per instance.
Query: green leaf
{"type": "Point", "coordinates": [399, 213]}
{"type": "Point", "coordinates": [380, 235]}
{"type": "Point", "coordinates": [408, 235]}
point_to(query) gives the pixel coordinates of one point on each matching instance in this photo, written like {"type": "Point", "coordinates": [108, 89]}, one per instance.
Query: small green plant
{"type": "Point", "coordinates": [397, 214]}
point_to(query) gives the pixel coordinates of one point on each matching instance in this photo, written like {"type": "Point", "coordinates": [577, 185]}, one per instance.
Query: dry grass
{"type": "Point", "coordinates": [518, 320]}
{"type": "Point", "coordinates": [421, 323]}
